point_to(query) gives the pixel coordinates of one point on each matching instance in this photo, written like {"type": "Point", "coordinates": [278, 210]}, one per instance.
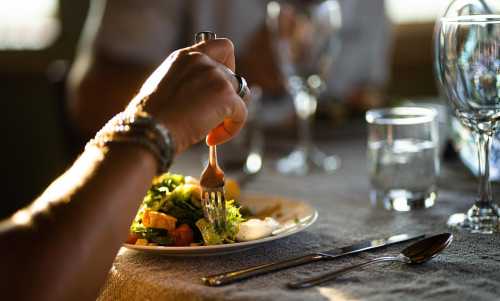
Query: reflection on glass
{"type": "Point", "coordinates": [468, 66]}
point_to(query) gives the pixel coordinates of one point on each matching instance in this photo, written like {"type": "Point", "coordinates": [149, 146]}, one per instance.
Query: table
{"type": "Point", "coordinates": [468, 270]}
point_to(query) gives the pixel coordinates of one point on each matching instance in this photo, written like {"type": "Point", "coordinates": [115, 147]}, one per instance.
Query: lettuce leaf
{"type": "Point", "coordinates": [170, 195]}
{"type": "Point", "coordinates": [214, 236]}
{"type": "Point", "coordinates": [208, 233]}
{"type": "Point", "coordinates": [153, 235]}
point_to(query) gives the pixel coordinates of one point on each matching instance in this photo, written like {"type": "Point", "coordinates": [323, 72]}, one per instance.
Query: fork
{"type": "Point", "coordinates": [212, 186]}
{"type": "Point", "coordinates": [212, 178]}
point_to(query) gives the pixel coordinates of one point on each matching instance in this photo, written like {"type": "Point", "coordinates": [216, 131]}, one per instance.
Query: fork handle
{"type": "Point", "coordinates": [310, 282]}
{"type": "Point", "coordinates": [229, 277]}
{"type": "Point", "coordinates": [212, 158]}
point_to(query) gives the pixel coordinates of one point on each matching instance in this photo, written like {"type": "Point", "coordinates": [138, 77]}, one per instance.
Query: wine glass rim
{"type": "Point", "coordinates": [401, 115]}
{"type": "Point", "coordinates": [472, 19]}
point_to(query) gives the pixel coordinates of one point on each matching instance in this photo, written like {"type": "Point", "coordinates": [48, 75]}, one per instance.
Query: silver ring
{"type": "Point", "coordinates": [242, 86]}
{"type": "Point", "coordinates": [204, 36]}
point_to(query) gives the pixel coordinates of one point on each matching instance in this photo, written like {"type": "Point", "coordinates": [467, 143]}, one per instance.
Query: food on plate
{"type": "Point", "coordinates": [156, 219]}
{"type": "Point", "coordinates": [183, 235]}
{"type": "Point", "coordinates": [171, 215]}
{"type": "Point", "coordinates": [213, 236]}
{"type": "Point", "coordinates": [254, 228]}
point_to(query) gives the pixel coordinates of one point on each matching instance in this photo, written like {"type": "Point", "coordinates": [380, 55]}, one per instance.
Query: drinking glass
{"type": "Point", "coordinates": [468, 67]}
{"type": "Point", "coordinates": [403, 157]}
{"type": "Point", "coordinates": [305, 41]}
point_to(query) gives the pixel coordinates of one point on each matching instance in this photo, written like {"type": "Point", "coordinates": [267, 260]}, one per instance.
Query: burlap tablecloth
{"type": "Point", "coordinates": [468, 270]}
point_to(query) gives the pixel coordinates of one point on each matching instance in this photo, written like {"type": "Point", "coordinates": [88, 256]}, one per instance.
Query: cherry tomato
{"type": "Point", "coordinates": [131, 238]}
{"type": "Point", "coordinates": [183, 235]}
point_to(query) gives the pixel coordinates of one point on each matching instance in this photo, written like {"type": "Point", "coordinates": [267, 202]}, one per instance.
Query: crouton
{"type": "Point", "coordinates": [155, 219]}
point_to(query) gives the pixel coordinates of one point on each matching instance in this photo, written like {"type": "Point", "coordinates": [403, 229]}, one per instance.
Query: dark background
{"type": "Point", "coordinates": [34, 145]}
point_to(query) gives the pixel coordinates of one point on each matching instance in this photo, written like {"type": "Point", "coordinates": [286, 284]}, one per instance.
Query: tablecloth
{"type": "Point", "coordinates": [468, 270]}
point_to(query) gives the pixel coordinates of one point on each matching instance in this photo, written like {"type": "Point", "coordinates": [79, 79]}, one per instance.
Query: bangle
{"type": "Point", "coordinates": [140, 128]}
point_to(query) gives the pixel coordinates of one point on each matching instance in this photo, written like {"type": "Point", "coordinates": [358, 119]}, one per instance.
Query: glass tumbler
{"type": "Point", "coordinates": [403, 157]}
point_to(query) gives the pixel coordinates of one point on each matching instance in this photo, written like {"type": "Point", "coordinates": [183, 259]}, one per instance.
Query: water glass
{"type": "Point", "coordinates": [403, 157]}
{"type": "Point", "coordinates": [443, 119]}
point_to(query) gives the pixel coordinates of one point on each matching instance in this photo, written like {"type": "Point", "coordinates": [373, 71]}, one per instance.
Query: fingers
{"type": "Point", "coordinates": [229, 75]}
{"type": "Point", "coordinates": [203, 75]}
{"type": "Point", "coordinates": [233, 122]}
{"type": "Point", "coordinates": [220, 50]}
{"type": "Point", "coordinates": [231, 125]}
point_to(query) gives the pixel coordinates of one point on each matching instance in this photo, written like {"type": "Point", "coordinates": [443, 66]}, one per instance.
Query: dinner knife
{"type": "Point", "coordinates": [232, 276]}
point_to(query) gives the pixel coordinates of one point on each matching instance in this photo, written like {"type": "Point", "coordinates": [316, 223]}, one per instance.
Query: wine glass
{"type": "Point", "coordinates": [468, 67]}
{"type": "Point", "coordinates": [305, 43]}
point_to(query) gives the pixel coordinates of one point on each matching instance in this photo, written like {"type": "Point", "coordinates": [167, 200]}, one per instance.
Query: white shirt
{"type": "Point", "coordinates": [147, 31]}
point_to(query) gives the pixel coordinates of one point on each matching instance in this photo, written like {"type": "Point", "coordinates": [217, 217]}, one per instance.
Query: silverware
{"type": "Point", "coordinates": [212, 178]}
{"type": "Point", "coordinates": [229, 277]}
{"type": "Point", "coordinates": [415, 253]}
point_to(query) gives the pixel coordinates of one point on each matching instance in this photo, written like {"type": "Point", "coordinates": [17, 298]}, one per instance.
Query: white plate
{"type": "Point", "coordinates": [295, 215]}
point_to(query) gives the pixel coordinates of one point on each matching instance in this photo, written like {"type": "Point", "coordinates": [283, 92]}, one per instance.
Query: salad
{"type": "Point", "coordinates": [171, 215]}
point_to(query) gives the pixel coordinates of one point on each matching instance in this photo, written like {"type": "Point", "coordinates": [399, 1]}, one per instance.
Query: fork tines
{"type": "Point", "coordinates": [214, 205]}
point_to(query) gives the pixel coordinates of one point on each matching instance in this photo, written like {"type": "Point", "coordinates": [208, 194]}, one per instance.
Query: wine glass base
{"type": "Point", "coordinates": [485, 223]}
{"type": "Point", "coordinates": [301, 162]}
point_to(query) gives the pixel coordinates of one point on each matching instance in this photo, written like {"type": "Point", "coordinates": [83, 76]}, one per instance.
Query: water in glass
{"type": "Point", "coordinates": [403, 157]}
{"type": "Point", "coordinates": [398, 165]}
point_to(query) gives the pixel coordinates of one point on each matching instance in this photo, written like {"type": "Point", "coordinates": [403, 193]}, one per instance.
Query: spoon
{"type": "Point", "coordinates": [415, 253]}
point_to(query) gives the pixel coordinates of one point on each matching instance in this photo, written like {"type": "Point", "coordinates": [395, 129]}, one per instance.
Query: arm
{"type": "Point", "coordinates": [98, 88]}
{"type": "Point", "coordinates": [122, 43]}
{"type": "Point", "coordinates": [61, 246]}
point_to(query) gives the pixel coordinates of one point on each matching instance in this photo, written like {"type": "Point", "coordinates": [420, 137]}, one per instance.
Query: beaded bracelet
{"type": "Point", "coordinates": [138, 127]}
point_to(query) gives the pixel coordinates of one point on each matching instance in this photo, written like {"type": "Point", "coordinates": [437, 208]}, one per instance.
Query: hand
{"type": "Point", "coordinates": [193, 94]}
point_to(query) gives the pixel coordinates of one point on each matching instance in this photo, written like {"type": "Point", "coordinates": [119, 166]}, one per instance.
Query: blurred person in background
{"type": "Point", "coordinates": [124, 39]}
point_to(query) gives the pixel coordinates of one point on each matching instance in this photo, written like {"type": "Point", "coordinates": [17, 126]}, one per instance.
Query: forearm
{"type": "Point", "coordinates": [61, 247]}
{"type": "Point", "coordinates": [86, 216]}
{"type": "Point", "coordinates": [98, 88]}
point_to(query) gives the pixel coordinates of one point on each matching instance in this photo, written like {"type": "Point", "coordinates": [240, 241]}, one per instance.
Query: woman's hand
{"type": "Point", "coordinates": [193, 94]}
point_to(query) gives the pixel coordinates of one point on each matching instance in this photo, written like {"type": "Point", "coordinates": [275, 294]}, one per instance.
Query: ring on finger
{"type": "Point", "coordinates": [242, 86]}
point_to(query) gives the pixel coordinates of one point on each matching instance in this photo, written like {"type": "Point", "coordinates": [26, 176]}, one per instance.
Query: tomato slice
{"type": "Point", "coordinates": [183, 235]}
{"type": "Point", "coordinates": [131, 238]}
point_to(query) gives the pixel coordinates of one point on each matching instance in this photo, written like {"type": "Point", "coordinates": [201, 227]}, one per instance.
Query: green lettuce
{"type": "Point", "coordinates": [208, 232]}
{"type": "Point", "coordinates": [182, 205]}
{"type": "Point", "coordinates": [214, 236]}
{"type": "Point", "coordinates": [153, 235]}
{"type": "Point", "coordinates": [169, 195]}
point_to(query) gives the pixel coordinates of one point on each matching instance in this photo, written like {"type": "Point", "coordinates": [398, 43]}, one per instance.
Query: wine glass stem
{"type": "Point", "coordinates": [483, 141]}
{"type": "Point", "coordinates": [305, 133]}
{"type": "Point", "coordinates": [305, 107]}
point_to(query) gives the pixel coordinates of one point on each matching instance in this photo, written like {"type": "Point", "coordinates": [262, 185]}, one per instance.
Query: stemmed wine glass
{"type": "Point", "coordinates": [468, 67]}
{"type": "Point", "coordinates": [305, 41]}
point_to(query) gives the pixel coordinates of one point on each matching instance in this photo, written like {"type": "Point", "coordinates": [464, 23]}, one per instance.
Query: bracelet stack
{"type": "Point", "coordinates": [138, 127]}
